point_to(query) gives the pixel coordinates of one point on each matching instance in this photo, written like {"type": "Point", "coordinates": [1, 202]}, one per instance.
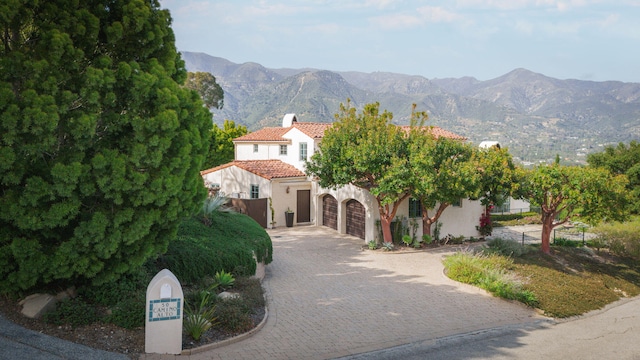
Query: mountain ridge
{"type": "Point", "coordinates": [534, 115]}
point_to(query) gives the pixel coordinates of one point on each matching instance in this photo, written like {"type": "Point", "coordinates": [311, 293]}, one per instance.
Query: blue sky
{"type": "Point", "coordinates": [568, 39]}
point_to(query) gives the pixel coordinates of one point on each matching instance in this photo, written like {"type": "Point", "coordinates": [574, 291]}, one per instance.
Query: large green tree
{"type": "Point", "coordinates": [566, 192]}
{"type": "Point", "coordinates": [222, 149]}
{"type": "Point", "coordinates": [622, 159]}
{"type": "Point", "coordinates": [366, 150]}
{"type": "Point", "coordinates": [205, 85]}
{"type": "Point", "coordinates": [100, 146]}
{"type": "Point", "coordinates": [443, 172]}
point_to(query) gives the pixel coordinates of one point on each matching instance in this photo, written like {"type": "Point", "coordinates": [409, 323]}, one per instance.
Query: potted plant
{"type": "Point", "coordinates": [288, 216]}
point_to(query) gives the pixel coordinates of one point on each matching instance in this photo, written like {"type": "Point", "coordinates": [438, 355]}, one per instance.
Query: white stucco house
{"type": "Point", "coordinates": [269, 165]}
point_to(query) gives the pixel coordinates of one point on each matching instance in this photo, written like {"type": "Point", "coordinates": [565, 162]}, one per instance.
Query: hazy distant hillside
{"type": "Point", "coordinates": [534, 115]}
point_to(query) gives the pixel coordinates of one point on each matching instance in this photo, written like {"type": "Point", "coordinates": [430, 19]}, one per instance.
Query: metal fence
{"type": "Point", "coordinates": [532, 234]}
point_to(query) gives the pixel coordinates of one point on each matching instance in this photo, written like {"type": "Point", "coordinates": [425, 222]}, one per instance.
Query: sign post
{"type": "Point", "coordinates": [163, 314]}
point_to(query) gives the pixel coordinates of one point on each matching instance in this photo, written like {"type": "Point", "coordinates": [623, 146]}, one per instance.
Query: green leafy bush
{"type": "Point", "coordinates": [128, 312]}
{"type": "Point", "coordinates": [508, 217]}
{"type": "Point", "coordinates": [75, 312]}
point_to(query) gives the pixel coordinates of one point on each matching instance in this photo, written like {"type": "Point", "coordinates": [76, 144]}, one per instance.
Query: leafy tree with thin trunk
{"type": "Point", "coordinates": [100, 145]}
{"type": "Point", "coordinates": [444, 172]}
{"type": "Point", "coordinates": [367, 151]}
{"type": "Point", "coordinates": [566, 192]}
{"type": "Point", "coordinates": [205, 85]}
{"type": "Point", "coordinates": [222, 150]}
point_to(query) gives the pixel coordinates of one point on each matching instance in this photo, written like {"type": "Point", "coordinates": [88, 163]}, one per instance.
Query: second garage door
{"type": "Point", "coordinates": [330, 212]}
{"type": "Point", "coordinates": [355, 218]}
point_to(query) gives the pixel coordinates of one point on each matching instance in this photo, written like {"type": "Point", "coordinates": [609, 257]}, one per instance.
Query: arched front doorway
{"type": "Point", "coordinates": [355, 219]}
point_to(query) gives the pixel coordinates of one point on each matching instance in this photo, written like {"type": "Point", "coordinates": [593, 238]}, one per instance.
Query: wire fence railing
{"type": "Point", "coordinates": [532, 234]}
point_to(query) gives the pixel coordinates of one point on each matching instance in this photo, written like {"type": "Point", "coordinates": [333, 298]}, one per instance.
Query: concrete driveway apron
{"type": "Point", "coordinates": [329, 298]}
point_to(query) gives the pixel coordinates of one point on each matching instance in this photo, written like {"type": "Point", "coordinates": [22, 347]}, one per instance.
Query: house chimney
{"type": "Point", "coordinates": [288, 120]}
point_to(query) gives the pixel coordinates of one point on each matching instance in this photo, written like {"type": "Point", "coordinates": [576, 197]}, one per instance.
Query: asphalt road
{"type": "Point", "coordinates": [611, 333]}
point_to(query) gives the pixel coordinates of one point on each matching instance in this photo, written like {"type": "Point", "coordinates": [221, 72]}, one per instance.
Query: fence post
{"type": "Point", "coordinates": [523, 238]}
{"type": "Point", "coordinates": [554, 236]}
{"type": "Point", "coordinates": [583, 242]}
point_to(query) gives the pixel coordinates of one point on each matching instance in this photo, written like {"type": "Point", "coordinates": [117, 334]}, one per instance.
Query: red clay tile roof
{"type": "Point", "coordinates": [265, 134]}
{"type": "Point", "coordinates": [316, 131]}
{"type": "Point", "coordinates": [268, 169]}
{"type": "Point", "coordinates": [313, 130]}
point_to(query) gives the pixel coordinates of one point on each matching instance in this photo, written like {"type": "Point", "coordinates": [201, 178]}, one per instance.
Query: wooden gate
{"type": "Point", "coordinates": [254, 208]}
{"type": "Point", "coordinates": [303, 206]}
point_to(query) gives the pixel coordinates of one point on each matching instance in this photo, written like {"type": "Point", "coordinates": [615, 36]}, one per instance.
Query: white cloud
{"type": "Point", "coordinates": [420, 16]}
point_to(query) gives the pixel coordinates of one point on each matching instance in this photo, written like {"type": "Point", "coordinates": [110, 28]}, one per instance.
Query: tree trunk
{"type": "Point", "coordinates": [385, 223]}
{"type": "Point", "coordinates": [547, 226]}
{"type": "Point", "coordinates": [426, 224]}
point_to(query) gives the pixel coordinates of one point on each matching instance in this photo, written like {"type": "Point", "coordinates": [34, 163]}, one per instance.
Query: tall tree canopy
{"type": "Point", "coordinates": [222, 150]}
{"type": "Point", "coordinates": [443, 172]}
{"type": "Point", "coordinates": [368, 151]}
{"type": "Point", "coordinates": [100, 146]}
{"type": "Point", "coordinates": [206, 86]}
{"type": "Point", "coordinates": [620, 160]}
{"type": "Point", "coordinates": [564, 192]}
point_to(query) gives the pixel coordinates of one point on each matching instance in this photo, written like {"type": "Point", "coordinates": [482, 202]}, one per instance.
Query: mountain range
{"type": "Point", "coordinates": [535, 116]}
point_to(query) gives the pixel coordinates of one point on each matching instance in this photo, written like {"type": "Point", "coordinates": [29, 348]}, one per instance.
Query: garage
{"type": "Point", "coordinates": [355, 219]}
{"type": "Point", "coordinates": [330, 212]}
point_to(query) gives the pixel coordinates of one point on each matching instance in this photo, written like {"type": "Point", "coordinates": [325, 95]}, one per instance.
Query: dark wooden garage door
{"type": "Point", "coordinates": [330, 212]}
{"type": "Point", "coordinates": [355, 218]}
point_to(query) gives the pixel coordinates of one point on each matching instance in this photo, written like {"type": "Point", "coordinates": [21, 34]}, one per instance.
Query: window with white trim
{"type": "Point", "coordinates": [255, 192]}
{"type": "Point", "coordinates": [283, 149]}
{"type": "Point", "coordinates": [457, 203]}
{"type": "Point", "coordinates": [303, 151]}
{"type": "Point", "coordinates": [255, 148]}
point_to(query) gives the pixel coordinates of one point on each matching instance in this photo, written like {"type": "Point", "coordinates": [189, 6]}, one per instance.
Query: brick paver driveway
{"type": "Point", "coordinates": [329, 298]}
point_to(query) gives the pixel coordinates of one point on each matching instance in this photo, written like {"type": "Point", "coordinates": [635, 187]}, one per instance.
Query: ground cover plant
{"type": "Point", "coordinates": [569, 282]}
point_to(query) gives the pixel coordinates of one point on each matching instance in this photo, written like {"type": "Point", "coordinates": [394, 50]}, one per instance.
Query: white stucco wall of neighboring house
{"type": "Point", "coordinates": [236, 182]}
{"type": "Point", "coordinates": [282, 200]}
{"type": "Point", "coordinates": [461, 220]}
{"type": "Point", "coordinates": [519, 205]}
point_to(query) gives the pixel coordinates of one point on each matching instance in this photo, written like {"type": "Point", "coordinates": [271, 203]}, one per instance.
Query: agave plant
{"type": "Point", "coordinates": [213, 204]}
{"type": "Point", "coordinates": [224, 279]}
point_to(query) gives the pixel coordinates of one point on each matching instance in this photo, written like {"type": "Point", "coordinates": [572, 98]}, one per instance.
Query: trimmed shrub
{"type": "Point", "coordinates": [228, 244]}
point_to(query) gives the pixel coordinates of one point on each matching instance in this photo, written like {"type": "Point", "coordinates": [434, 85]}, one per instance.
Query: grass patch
{"type": "Point", "coordinates": [489, 272]}
{"type": "Point", "coordinates": [570, 282]}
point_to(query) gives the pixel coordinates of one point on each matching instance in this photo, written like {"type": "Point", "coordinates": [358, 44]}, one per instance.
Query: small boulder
{"type": "Point", "coordinates": [35, 305]}
{"type": "Point", "coordinates": [225, 295]}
